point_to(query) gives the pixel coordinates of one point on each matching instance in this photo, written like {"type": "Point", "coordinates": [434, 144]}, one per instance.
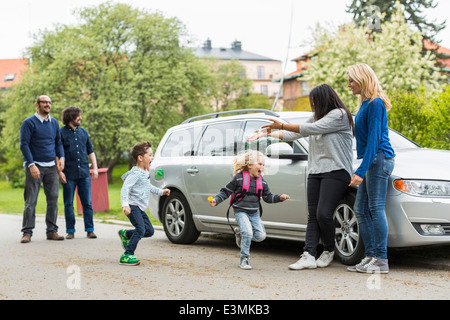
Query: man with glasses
{"type": "Point", "coordinates": [42, 150]}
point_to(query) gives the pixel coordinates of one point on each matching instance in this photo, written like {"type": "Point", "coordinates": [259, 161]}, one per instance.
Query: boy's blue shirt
{"type": "Point", "coordinates": [372, 134]}
{"type": "Point", "coordinates": [40, 141]}
{"type": "Point", "coordinates": [136, 188]}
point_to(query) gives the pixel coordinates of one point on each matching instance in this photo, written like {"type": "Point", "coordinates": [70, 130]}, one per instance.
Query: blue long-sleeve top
{"type": "Point", "coordinates": [136, 188]}
{"type": "Point", "coordinates": [40, 140]}
{"type": "Point", "coordinates": [372, 134]}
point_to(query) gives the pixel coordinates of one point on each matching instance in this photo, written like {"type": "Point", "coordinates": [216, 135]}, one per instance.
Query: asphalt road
{"type": "Point", "coordinates": [89, 269]}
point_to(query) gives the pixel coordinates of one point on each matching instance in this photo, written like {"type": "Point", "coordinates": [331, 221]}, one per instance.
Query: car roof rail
{"type": "Point", "coordinates": [217, 114]}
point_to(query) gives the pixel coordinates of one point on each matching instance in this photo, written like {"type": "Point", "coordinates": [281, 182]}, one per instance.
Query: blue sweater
{"type": "Point", "coordinates": [40, 141]}
{"type": "Point", "coordinates": [372, 134]}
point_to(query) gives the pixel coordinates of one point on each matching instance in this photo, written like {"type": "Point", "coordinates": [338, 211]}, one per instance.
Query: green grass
{"type": "Point", "coordinates": [11, 199]}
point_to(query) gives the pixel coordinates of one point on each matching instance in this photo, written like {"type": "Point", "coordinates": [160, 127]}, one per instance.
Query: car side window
{"type": "Point", "coordinates": [220, 139]}
{"type": "Point", "coordinates": [181, 143]}
{"type": "Point", "coordinates": [262, 143]}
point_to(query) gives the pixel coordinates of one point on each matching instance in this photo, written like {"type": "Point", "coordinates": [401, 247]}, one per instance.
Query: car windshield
{"type": "Point", "coordinates": [398, 141]}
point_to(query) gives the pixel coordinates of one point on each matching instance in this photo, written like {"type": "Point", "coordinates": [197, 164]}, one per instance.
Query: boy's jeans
{"type": "Point", "coordinates": [370, 206]}
{"type": "Point", "coordinates": [251, 228]}
{"type": "Point", "coordinates": [143, 228]}
{"type": "Point", "coordinates": [84, 192]}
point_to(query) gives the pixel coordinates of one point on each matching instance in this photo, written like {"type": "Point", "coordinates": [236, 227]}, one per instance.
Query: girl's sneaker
{"type": "Point", "coordinates": [363, 262]}
{"type": "Point", "coordinates": [129, 260]}
{"type": "Point", "coordinates": [123, 238]}
{"type": "Point", "coordinates": [306, 261]}
{"type": "Point", "coordinates": [244, 264]}
{"type": "Point", "coordinates": [325, 259]}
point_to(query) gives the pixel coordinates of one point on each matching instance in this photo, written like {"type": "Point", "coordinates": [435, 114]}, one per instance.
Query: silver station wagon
{"type": "Point", "coordinates": [194, 160]}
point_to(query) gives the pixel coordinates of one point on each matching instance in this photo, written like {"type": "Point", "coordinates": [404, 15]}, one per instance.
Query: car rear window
{"type": "Point", "coordinates": [181, 143]}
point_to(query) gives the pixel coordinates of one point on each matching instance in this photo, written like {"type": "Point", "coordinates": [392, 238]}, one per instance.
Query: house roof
{"type": "Point", "coordinates": [235, 52]}
{"type": "Point", "coordinates": [442, 54]}
{"type": "Point", "coordinates": [11, 71]}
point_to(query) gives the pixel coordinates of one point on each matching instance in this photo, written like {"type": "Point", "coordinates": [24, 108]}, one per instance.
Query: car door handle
{"type": "Point", "coordinates": [192, 170]}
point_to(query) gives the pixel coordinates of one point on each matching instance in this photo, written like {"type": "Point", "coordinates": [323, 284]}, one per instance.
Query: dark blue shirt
{"type": "Point", "coordinates": [372, 134]}
{"type": "Point", "coordinates": [77, 148]}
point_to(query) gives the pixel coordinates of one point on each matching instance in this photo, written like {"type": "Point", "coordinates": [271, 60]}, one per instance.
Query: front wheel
{"type": "Point", "coordinates": [177, 220]}
{"type": "Point", "coordinates": [349, 247]}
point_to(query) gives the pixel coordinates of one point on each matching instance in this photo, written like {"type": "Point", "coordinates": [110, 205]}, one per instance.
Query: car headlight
{"type": "Point", "coordinates": [427, 188]}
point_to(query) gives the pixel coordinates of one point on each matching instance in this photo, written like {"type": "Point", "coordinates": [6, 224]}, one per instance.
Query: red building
{"type": "Point", "coordinates": [295, 88]}
{"type": "Point", "coordinates": [442, 56]}
{"type": "Point", "coordinates": [11, 71]}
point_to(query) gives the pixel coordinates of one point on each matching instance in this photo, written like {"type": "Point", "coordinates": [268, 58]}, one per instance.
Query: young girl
{"type": "Point", "coordinates": [246, 209]}
{"type": "Point", "coordinates": [134, 198]}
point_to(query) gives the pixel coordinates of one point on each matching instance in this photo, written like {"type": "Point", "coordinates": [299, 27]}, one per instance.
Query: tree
{"type": "Point", "coordinates": [124, 67]}
{"type": "Point", "coordinates": [228, 83]}
{"type": "Point", "coordinates": [395, 54]}
{"type": "Point", "coordinates": [361, 10]}
{"type": "Point", "coordinates": [254, 101]}
{"type": "Point", "coordinates": [422, 117]}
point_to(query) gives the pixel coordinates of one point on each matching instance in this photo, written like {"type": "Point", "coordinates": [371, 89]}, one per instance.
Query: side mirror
{"type": "Point", "coordinates": [277, 149]}
{"type": "Point", "coordinates": [283, 150]}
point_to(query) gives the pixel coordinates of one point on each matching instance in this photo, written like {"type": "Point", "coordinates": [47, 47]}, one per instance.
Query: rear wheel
{"type": "Point", "coordinates": [177, 220]}
{"type": "Point", "coordinates": [349, 247]}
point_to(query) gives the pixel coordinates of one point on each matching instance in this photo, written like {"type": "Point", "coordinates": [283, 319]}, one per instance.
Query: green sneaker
{"type": "Point", "coordinates": [129, 260]}
{"type": "Point", "coordinates": [123, 238]}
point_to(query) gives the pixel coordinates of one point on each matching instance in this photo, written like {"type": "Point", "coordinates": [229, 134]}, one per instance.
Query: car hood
{"type": "Point", "coordinates": [422, 163]}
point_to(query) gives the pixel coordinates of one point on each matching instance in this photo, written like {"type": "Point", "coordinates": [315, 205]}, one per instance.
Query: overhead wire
{"type": "Point", "coordinates": [286, 60]}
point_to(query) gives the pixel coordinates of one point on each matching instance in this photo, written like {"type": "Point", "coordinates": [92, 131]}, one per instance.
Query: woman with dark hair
{"type": "Point", "coordinates": [330, 130]}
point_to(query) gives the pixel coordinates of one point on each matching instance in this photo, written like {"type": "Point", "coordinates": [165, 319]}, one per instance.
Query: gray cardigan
{"type": "Point", "coordinates": [330, 142]}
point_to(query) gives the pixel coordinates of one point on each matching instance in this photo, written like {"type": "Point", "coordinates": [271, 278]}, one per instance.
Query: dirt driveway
{"type": "Point", "coordinates": [88, 269]}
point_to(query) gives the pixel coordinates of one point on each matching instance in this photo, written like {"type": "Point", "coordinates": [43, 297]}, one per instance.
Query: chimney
{"type": "Point", "coordinates": [207, 45]}
{"type": "Point", "coordinates": [236, 45]}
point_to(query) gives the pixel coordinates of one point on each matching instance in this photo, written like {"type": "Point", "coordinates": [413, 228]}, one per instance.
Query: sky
{"type": "Point", "coordinates": [278, 29]}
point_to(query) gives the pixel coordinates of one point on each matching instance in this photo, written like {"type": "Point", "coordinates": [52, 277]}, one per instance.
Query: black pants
{"type": "Point", "coordinates": [324, 191]}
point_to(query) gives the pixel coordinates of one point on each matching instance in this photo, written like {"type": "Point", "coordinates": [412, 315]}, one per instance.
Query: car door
{"type": "Point", "coordinates": [211, 169]}
{"type": "Point", "coordinates": [283, 176]}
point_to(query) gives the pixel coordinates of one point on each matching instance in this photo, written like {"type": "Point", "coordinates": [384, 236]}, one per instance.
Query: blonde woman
{"type": "Point", "coordinates": [246, 205]}
{"type": "Point", "coordinates": [375, 150]}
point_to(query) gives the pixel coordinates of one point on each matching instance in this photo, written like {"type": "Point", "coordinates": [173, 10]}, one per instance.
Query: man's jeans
{"type": "Point", "coordinates": [83, 187]}
{"type": "Point", "coordinates": [370, 207]}
{"type": "Point", "coordinates": [50, 180]}
{"type": "Point", "coordinates": [143, 228]}
{"type": "Point", "coordinates": [251, 228]}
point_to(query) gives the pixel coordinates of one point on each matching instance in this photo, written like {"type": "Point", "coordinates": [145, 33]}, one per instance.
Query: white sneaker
{"type": "Point", "coordinates": [325, 259]}
{"type": "Point", "coordinates": [244, 264]}
{"type": "Point", "coordinates": [306, 261]}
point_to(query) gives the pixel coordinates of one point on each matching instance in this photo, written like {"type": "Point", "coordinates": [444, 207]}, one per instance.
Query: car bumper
{"type": "Point", "coordinates": [408, 216]}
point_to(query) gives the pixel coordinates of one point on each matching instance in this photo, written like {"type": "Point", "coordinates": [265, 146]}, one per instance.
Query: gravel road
{"type": "Point", "coordinates": [88, 269]}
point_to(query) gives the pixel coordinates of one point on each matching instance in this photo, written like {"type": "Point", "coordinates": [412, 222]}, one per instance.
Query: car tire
{"type": "Point", "coordinates": [177, 220]}
{"type": "Point", "coordinates": [349, 247]}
